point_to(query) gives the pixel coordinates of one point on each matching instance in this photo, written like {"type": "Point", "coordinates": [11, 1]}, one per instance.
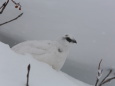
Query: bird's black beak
{"type": "Point", "coordinates": [74, 41]}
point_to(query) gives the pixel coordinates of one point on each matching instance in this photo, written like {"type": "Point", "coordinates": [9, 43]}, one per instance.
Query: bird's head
{"type": "Point", "coordinates": [69, 39]}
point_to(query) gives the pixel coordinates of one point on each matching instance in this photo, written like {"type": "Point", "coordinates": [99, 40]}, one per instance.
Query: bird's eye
{"type": "Point", "coordinates": [68, 39]}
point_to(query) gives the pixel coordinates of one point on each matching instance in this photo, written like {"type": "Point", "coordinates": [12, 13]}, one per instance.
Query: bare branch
{"type": "Point", "coordinates": [12, 19]}
{"type": "Point", "coordinates": [108, 80]}
{"type": "Point", "coordinates": [28, 69]}
{"type": "Point", "coordinates": [96, 82]}
{"type": "Point", "coordinates": [14, 2]}
{"type": "Point", "coordinates": [3, 6]}
{"type": "Point", "coordinates": [105, 77]}
{"type": "Point", "coordinates": [99, 66]}
{"type": "Point", "coordinates": [99, 73]}
{"type": "Point", "coordinates": [17, 4]}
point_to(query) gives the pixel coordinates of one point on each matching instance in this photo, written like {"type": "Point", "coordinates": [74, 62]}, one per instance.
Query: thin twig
{"type": "Point", "coordinates": [12, 19]}
{"type": "Point", "coordinates": [17, 4]}
{"type": "Point", "coordinates": [99, 67]}
{"type": "Point", "coordinates": [105, 77]}
{"type": "Point", "coordinates": [99, 73]}
{"type": "Point", "coordinates": [4, 6]}
{"type": "Point", "coordinates": [6, 3]}
{"type": "Point", "coordinates": [96, 82]}
{"type": "Point", "coordinates": [28, 73]}
{"type": "Point", "coordinates": [14, 2]}
{"type": "Point", "coordinates": [108, 80]}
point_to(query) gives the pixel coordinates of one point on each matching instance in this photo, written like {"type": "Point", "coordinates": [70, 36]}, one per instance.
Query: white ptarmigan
{"type": "Point", "coordinates": [53, 53]}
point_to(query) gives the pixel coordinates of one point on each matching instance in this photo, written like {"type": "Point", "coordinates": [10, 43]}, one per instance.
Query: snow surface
{"type": "Point", "coordinates": [13, 70]}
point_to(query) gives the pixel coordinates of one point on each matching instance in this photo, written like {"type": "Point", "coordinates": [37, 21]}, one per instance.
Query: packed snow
{"type": "Point", "coordinates": [13, 71]}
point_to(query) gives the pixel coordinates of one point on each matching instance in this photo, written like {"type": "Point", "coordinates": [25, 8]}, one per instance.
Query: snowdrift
{"type": "Point", "coordinates": [13, 71]}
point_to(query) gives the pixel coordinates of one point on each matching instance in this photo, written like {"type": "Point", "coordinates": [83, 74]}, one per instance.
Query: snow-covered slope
{"type": "Point", "coordinates": [13, 70]}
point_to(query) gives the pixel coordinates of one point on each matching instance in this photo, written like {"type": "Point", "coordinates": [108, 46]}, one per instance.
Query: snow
{"type": "Point", "coordinates": [13, 70]}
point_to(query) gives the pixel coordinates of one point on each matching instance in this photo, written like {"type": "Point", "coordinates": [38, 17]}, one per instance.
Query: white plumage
{"type": "Point", "coordinates": [53, 53]}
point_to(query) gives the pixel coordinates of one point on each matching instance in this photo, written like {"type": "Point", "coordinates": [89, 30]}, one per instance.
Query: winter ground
{"type": "Point", "coordinates": [13, 70]}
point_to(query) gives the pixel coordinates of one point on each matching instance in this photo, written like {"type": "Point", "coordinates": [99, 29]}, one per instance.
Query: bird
{"type": "Point", "coordinates": [53, 53]}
